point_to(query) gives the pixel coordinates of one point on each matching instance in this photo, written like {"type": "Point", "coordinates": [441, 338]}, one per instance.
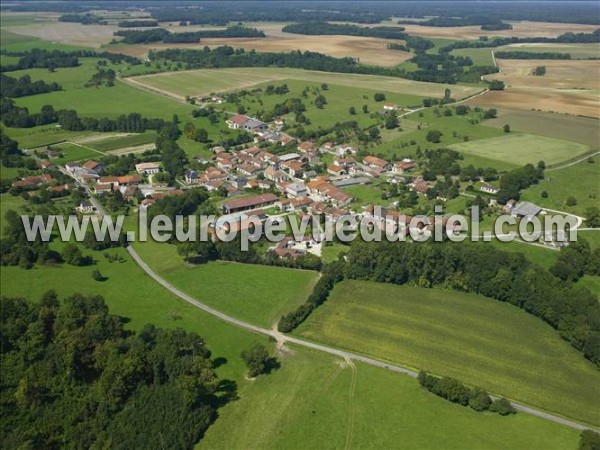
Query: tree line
{"type": "Point", "coordinates": [23, 86]}
{"type": "Point", "coordinates": [326, 28]}
{"type": "Point", "coordinates": [225, 56]}
{"type": "Point", "coordinates": [456, 392]}
{"type": "Point", "coordinates": [566, 38]}
{"type": "Point", "coordinates": [51, 59]}
{"type": "Point", "coordinates": [163, 35]}
{"type": "Point", "coordinates": [74, 377]}
{"type": "Point", "coordinates": [137, 23]}
{"type": "Point", "coordinates": [531, 55]}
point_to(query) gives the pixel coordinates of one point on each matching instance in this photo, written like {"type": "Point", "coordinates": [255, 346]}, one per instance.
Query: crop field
{"type": "Point", "coordinates": [581, 181]}
{"type": "Point", "coordinates": [577, 51]}
{"type": "Point", "coordinates": [477, 340]}
{"type": "Point", "coordinates": [118, 142]}
{"type": "Point", "coordinates": [255, 293]}
{"type": "Point", "coordinates": [520, 29]}
{"type": "Point", "coordinates": [42, 135]}
{"type": "Point", "coordinates": [583, 130]}
{"type": "Point", "coordinates": [569, 87]}
{"type": "Point", "coordinates": [565, 101]}
{"type": "Point", "coordinates": [205, 81]}
{"type": "Point", "coordinates": [521, 149]}
{"type": "Point", "coordinates": [560, 74]}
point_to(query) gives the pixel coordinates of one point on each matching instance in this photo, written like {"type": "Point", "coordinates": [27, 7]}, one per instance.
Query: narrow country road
{"type": "Point", "coordinates": [322, 348]}
{"type": "Point", "coordinates": [572, 163]}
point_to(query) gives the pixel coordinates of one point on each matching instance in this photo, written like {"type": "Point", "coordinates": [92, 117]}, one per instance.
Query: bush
{"type": "Point", "coordinates": [502, 407]}
{"type": "Point", "coordinates": [589, 440]}
{"type": "Point", "coordinates": [479, 400]}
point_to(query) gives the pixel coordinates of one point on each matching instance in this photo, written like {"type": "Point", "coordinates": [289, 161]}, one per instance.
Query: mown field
{"type": "Point", "coordinates": [205, 81]}
{"type": "Point", "coordinates": [581, 181]}
{"type": "Point", "coordinates": [478, 340]}
{"type": "Point", "coordinates": [583, 130]}
{"type": "Point", "coordinates": [522, 149]}
{"type": "Point", "coordinates": [455, 129]}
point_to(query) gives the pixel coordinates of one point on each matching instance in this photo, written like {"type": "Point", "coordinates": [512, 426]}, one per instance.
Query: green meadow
{"type": "Point", "coordinates": [522, 149]}
{"type": "Point", "coordinates": [475, 339]}
{"type": "Point", "coordinates": [580, 181]}
{"type": "Point", "coordinates": [258, 294]}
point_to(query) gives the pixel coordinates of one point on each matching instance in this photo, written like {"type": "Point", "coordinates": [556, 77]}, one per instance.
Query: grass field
{"type": "Point", "coordinates": [480, 56]}
{"type": "Point", "coordinates": [197, 82]}
{"type": "Point", "coordinates": [454, 130]}
{"type": "Point", "coordinates": [96, 101]}
{"type": "Point", "coordinates": [255, 293]}
{"type": "Point", "coordinates": [339, 100]}
{"type": "Point", "coordinates": [521, 149]}
{"type": "Point", "coordinates": [316, 402]}
{"type": "Point", "coordinates": [74, 152]}
{"type": "Point", "coordinates": [365, 194]}
{"type": "Point", "coordinates": [309, 401]}
{"type": "Point", "coordinates": [305, 402]}
{"type": "Point", "coordinates": [581, 181]}
{"type": "Point", "coordinates": [480, 341]}
{"type": "Point", "coordinates": [583, 130]}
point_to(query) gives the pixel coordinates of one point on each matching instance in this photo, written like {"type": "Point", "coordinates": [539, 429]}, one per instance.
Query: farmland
{"type": "Point", "coordinates": [453, 334]}
{"type": "Point", "coordinates": [522, 149]}
{"type": "Point", "coordinates": [573, 102]}
{"type": "Point", "coordinates": [276, 410]}
{"type": "Point", "coordinates": [118, 142]}
{"type": "Point", "coordinates": [205, 81]}
{"type": "Point", "coordinates": [583, 130]}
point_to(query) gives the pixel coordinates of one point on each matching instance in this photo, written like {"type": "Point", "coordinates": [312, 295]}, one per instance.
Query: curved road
{"type": "Point", "coordinates": [322, 348]}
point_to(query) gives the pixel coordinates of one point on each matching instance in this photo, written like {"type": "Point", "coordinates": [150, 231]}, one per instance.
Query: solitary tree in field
{"type": "Point", "coordinates": [257, 360]}
{"type": "Point", "coordinates": [434, 136]}
{"type": "Point", "coordinates": [506, 128]}
{"type": "Point", "coordinates": [352, 110]}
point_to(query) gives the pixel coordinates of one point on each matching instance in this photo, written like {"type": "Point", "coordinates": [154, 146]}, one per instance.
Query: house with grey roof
{"type": "Point", "coordinates": [526, 210]}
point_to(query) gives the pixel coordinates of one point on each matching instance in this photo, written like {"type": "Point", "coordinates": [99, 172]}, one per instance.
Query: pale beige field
{"type": "Point", "coordinates": [520, 29]}
{"type": "Point", "coordinates": [560, 74]}
{"type": "Point", "coordinates": [575, 102]}
{"type": "Point", "coordinates": [569, 87]}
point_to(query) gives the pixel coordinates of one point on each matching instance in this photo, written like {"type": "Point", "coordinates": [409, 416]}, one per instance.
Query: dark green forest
{"type": "Point", "coordinates": [73, 377]}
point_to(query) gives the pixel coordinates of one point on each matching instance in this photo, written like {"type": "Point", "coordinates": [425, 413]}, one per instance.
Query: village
{"type": "Point", "coordinates": [256, 182]}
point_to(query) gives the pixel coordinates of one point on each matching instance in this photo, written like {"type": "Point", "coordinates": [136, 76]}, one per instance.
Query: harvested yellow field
{"type": "Point", "coordinates": [575, 102]}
